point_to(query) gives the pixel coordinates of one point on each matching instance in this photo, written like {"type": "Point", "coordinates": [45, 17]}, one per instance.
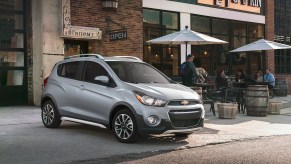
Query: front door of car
{"type": "Point", "coordinates": [97, 97]}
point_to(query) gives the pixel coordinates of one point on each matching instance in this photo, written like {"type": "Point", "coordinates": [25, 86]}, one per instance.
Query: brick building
{"type": "Point", "coordinates": [42, 32]}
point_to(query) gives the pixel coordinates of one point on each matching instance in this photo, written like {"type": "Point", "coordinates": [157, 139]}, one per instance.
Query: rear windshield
{"type": "Point", "coordinates": [134, 72]}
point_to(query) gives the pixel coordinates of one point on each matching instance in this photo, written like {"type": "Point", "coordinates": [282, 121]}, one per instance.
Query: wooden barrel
{"type": "Point", "coordinates": [257, 100]}
{"type": "Point", "coordinates": [227, 110]}
{"type": "Point", "coordinates": [281, 86]}
{"type": "Point", "coordinates": [274, 107]}
{"type": "Point", "coordinates": [198, 90]}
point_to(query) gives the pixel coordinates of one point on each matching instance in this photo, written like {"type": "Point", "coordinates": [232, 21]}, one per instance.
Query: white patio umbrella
{"type": "Point", "coordinates": [262, 44]}
{"type": "Point", "coordinates": [186, 36]}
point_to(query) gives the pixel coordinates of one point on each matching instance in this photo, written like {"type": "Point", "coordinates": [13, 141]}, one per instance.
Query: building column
{"type": "Point", "coordinates": [185, 20]}
{"type": "Point", "coordinates": [48, 46]}
{"type": "Point", "coordinates": [270, 55]}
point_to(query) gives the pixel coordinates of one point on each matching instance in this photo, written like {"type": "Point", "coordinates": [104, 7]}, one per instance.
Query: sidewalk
{"type": "Point", "coordinates": [24, 138]}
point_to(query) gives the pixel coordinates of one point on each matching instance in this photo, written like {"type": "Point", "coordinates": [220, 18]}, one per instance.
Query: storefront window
{"type": "Point", "coordinates": [11, 21]}
{"type": "Point", "coordinates": [220, 26]}
{"type": "Point", "coordinates": [238, 28]}
{"type": "Point", "coordinates": [11, 77]}
{"type": "Point", "coordinates": [11, 40]}
{"type": "Point", "coordinates": [163, 57]}
{"type": "Point", "coordinates": [151, 16]}
{"type": "Point", "coordinates": [200, 24]}
{"type": "Point", "coordinates": [220, 54]}
{"type": "Point", "coordinates": [256, 30]}
{"type": "Point", "coordinates": [237, 34]}
{"type": "Point", "coordinates": [11, 59]}
{"type": "Point", "coordinates": [16, 5]}
{"type": "Point", "coordinates": [282, 35]}
{"type": "Point", "coordinates": [170, 20]}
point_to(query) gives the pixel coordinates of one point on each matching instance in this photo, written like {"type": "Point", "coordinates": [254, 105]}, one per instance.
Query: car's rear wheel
{"type": "Point", "coordinates": [124, 126]}
{"type": "Point", "coordinates": [50, 115]}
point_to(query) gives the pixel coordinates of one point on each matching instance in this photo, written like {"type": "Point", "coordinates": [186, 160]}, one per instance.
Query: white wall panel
{"type": "Point", "coordinates": [203, 10]}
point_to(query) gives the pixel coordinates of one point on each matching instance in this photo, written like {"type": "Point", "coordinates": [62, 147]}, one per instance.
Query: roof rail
{"type": "Point", "coordinates": [85, 55]}
{"type": "Point", "coordinates": [129, 57]}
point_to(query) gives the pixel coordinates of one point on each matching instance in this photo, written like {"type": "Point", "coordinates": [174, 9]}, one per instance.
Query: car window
{"type": "Point", "coordinates": [93, 69]}
{"type": "Point", "coordinates": [69, 70]}
{"type": "Point", "coordinates": [134, 72]}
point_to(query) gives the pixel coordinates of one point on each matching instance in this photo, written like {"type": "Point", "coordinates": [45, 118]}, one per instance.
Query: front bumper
{"type": "Point", "coordinates": [182, 130]}
{"type": "Point", "coordinates": [166, 127]}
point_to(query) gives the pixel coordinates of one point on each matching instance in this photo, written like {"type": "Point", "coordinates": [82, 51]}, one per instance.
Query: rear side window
{"type": "Point", "coordinates": [69, 70]}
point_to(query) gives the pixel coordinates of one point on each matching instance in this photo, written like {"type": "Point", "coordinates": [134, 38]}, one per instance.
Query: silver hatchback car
{"type": "Point", "coordinates": [123, 94]}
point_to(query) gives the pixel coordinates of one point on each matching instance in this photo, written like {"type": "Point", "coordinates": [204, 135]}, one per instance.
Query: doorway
{"type": "Point", "coordinates": [74, 47]}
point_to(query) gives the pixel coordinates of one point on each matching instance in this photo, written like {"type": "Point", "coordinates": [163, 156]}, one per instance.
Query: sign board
{"type": "Point", "coordinates": [117, 35]}
{"type": "Point", "coordinates": [69, 31]}
{"type": "Point", "coordinates": [82, 32]}
{"type": "Point", "coordinates": [243, 5]}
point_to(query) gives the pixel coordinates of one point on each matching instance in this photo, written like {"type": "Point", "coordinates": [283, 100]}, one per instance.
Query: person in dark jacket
{"type": "Point", "coordinates": [190, 71]}
{"type": "Point", "coordinates": [221, 81]}
{"type": "Point", "coordinates": [240, 76]}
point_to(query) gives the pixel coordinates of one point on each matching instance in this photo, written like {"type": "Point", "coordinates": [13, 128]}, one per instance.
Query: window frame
{"type": "Point", "coordinates": [111, 82]}
{"type": "Point", "coordinates": [78, 73]}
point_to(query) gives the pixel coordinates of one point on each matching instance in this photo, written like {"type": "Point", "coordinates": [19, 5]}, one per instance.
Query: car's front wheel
{"type": "Point", "coordinates": [50, 115]}
{"type": "Point", "coordinates": [124, 126]}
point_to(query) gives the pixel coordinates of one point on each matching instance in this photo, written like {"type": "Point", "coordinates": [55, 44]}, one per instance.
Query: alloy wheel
{"type": "Point", "coordinates": [123, 126]}
{"type": "Point", "coordinates": [48, 114]}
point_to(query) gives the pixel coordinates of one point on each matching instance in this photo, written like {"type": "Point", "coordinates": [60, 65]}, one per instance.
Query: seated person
{"type": "Point", "coordinates": [202, 75]}
{"type": "Point", "coordinates": [240, 76]}
{"type": "Point", "coordinates": [259, 77]}
{"type": "Point", "coordinates": [221, 81]}
{"type": "Point", "coordinates": [269, 77]}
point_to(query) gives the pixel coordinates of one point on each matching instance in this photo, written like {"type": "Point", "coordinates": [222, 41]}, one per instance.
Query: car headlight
{"type": "Point", "coordinates": [148, 100]}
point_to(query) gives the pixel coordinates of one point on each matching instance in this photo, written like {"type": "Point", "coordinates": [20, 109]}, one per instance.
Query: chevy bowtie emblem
{"type": "Point", "coordinates": [184, 102]}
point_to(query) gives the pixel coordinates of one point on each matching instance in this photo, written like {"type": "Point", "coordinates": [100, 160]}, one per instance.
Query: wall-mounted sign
{"type": "Point", "coordinates": [244, 5]}
{"type": "Point", "coordinates": [117, 35]}
{"type": "Point", "coordinates": [69, 31]}
{"type": "Point", "coordinates": [82, 32]}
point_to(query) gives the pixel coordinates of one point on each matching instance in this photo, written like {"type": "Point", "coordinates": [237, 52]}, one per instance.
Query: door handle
{"type": "Point", "coordinates": [82, 87]}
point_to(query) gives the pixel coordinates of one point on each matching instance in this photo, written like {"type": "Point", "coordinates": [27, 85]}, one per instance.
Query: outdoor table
{"type": "Point", "coordinates": [238, 92]}
{"type": "Point", "coordinates": [240, 84]}
{"type": "Point", "coordinates": [206, 97]}
{"type": "Point", "coordinates": [262, 83]}
{"type": "Point", "coordinates": [206, 87]}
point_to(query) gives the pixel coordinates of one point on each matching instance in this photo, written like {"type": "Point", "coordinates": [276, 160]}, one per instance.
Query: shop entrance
{"type": "Point", "coordinates": [74, 47]}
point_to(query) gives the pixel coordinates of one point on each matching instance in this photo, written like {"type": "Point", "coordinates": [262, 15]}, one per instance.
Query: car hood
{"type": "Point", "coordinates": [166, 91]}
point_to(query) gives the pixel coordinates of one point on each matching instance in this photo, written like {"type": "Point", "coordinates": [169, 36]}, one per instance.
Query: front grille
{"type": "Point", "coordinates": [185, 123]}
{"type": "Point", "coordinates": [180, 102]}
{"type": "Point", "coordinates": [185, 118]}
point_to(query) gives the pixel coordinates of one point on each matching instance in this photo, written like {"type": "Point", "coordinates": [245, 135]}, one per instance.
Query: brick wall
{"type": "Point", "coordinates": [89, 13]}
{"type": "Point", "coordinates": [269, 12]}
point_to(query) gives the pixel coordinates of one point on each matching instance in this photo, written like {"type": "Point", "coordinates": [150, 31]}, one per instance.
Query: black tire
{"type": "Point", "coordinates": [124, 126]}
{"type": "Point", "coordinates": [182, 134]}
{"type": "Point", "coordinates": [50, 115]}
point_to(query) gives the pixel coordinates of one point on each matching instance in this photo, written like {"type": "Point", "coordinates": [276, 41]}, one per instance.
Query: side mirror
{"type": "Point", "coordinates": [102, 79]}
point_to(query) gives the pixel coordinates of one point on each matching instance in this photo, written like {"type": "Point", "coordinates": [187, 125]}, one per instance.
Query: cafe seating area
{"type": "Point", "coordinates": [250, 97]}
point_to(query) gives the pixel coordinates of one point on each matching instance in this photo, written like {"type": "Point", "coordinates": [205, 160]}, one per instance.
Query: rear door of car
{"type": "Point", "coordinates": [69, 88]}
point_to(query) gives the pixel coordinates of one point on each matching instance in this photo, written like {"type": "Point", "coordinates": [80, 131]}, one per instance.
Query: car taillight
{"type": "Point", "coordinates": [45, 81]}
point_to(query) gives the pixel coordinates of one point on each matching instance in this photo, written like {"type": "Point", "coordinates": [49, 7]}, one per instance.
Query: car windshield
{"type": "Point", "coordinates": [134, 72]}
